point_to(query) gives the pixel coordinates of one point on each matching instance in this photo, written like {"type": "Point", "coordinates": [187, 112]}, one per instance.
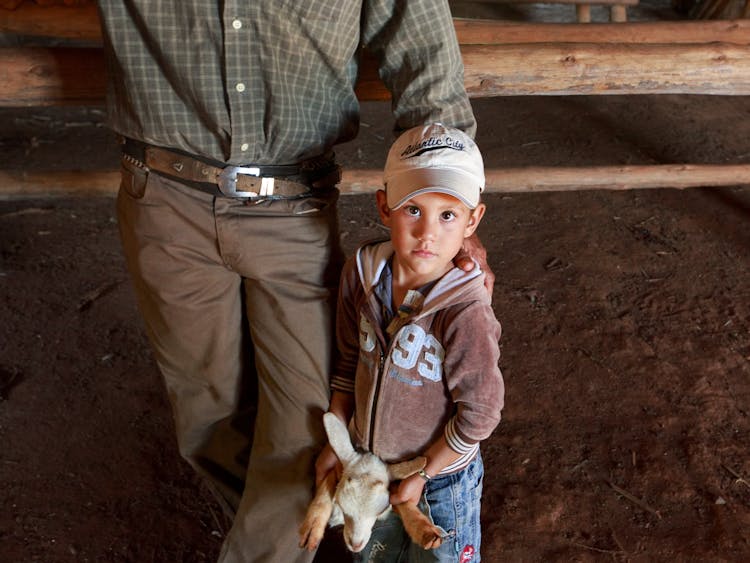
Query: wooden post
{"type": "Point", "coordinates": [618, 14]}
{"type": "Point", "coordinates": [583, 13]}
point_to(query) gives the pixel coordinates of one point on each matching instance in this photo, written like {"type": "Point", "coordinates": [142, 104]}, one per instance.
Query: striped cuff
{"type": "Point", "coordinates": [343, 384]}
{"type": "Point", "coordinates": [455, 442]}
{"type": "Point", "coordinates": [461, 462]}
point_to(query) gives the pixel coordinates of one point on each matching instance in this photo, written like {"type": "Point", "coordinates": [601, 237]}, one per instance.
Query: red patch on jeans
{"type": "Point", "coordinates": [467, 554]}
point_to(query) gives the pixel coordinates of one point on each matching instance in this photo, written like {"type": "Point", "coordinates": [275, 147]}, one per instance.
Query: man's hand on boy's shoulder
{"type": "Point", "coordinates": [473, 249]}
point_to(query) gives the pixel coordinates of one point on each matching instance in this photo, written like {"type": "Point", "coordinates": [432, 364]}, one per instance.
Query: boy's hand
{"type": "Point", "coordinates": [409, 490]}
{"type": "Point", "coordinates": [326, 462]}
{"type": "Point", "coordinates": [473, 248]}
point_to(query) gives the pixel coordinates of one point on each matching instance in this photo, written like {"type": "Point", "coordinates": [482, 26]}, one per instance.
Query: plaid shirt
{"type": "Point", "coordinates": [271, 81]}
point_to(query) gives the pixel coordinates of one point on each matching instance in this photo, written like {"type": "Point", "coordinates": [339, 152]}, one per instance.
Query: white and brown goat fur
{"type": "Point", "coordinates": [361, 496]}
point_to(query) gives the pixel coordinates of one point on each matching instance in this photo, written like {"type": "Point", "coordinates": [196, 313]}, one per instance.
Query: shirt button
{"type": "Point", "coordinates": [236, 24]}
{"type": "Point", "coordinates": [244, 147]}
{"type": "Point", "coordinates": [240, 87]}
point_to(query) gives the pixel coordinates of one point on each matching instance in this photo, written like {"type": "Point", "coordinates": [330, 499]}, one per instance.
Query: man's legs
{"type": "Point", "coordinates": [288, 252]}
{"type": "Point", "coordinates": [191, 304]}
{"type": "Point", "coordinates": [188, 254]}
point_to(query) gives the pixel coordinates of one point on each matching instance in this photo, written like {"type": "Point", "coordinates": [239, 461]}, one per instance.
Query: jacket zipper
{"type": "Point", "coordinates": [373, 407]}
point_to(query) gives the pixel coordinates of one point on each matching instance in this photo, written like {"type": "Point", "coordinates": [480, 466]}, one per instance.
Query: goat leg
{"type": "Point", "coordinates": [318, 513]}
{"type": "Point", "coordinates": [421, 531]}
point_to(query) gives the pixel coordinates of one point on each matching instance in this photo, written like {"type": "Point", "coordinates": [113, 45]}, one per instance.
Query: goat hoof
{"type": "Point", "coordinates": [310, 534]}
{"type": "Point", "coordinates": [431, 539]}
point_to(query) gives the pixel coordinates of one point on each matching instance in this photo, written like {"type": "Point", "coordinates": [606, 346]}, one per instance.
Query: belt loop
{"type": "Point", "coordinates": [266, 186]}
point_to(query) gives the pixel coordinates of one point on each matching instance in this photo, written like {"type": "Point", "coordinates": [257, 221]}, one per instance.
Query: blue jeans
{"type": "Point", "coordinates": [453, 503]}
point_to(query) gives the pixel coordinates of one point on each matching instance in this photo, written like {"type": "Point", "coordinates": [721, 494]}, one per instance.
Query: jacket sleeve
{"type": "Point", "coordinates": [419, 61]}
{"type": "Point", "coordinates": [473, 375]}
{"type": "Point", "coordinates": [347, 331]}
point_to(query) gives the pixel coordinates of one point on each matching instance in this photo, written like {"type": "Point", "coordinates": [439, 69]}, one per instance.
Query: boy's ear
{"type": "Point", "coordinates": [383, 209]}
{"type": "Point", "coordinates": [474, 219]}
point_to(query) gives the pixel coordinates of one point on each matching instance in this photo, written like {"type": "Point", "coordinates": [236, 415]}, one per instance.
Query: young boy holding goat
{"type": "Point", "coordinates": [418, 343]}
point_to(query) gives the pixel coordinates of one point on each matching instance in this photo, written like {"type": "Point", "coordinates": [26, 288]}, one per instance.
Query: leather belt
{"type": "Point", "coordinates": [251, 181]}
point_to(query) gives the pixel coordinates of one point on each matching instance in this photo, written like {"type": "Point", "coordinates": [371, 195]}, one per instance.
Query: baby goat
{"type": "Point", "coordinates": [362, 496]}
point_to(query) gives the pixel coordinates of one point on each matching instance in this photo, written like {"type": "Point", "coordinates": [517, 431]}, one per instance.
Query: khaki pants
{"type": "Point", "coordinates": [202, 267]}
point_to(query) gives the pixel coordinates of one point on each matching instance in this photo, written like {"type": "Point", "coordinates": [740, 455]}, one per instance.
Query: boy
{"type": "Point", "coordinates": [418, 342]}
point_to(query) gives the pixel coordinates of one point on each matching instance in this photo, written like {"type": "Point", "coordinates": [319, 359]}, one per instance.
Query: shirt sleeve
{"type": "Point", "coordinates": [419, 61]}
{"type": "Point", "coordinates": [347, 331]}
{"type": "Point", "coordinates": [473, 375]}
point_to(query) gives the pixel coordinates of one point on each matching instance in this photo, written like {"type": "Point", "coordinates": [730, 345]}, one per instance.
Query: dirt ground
{"type": "Point", "coordinates": [626, 348]}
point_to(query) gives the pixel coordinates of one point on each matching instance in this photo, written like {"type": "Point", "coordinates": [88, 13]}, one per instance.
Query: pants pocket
{"type": "Point", "coordinates": [133, 179]}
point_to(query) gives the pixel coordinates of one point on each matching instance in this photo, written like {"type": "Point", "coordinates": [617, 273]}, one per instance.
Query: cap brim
{"type": "Point", "coordinates": [411, 183]}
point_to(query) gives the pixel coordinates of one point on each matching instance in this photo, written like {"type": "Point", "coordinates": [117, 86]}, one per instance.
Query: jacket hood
{"type": "Point", "coordinates": [456, 286]}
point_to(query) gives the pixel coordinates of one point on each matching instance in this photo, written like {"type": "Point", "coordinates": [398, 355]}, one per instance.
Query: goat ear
{"type": "Point", "coordinates": [338, 437]}
{"type": "Point", "coordinates": [405, 468]}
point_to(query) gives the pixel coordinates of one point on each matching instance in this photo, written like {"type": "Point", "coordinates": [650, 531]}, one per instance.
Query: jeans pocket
{"type": "Point", "coordinates": [133, 179]}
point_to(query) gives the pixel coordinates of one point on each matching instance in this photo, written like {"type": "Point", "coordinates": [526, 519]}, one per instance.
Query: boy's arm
{"type": "Point", "coordinates": [439, 455]}
{"type": "Point", "coordinates": [472, 374]}
{"type": "Point", "coordinates": [476, 385]}
{"type": "Point", "coordinates": [342, 405]}
{"type": "Point", "coordinates": [345, 366]}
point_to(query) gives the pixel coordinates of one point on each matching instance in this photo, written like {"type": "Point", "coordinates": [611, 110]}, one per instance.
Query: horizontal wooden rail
{"type": "Point", "coordinates": [565, 59]}
{"type": "Point", "coordinates": [51, 76]}
{"type": "Point", "coordinates": [602, 2]}
{"type": "Point", "coordinates": [555, 179]}
{"type": "Point", "coordinates": [59, 76]}
{"type": "Point", "coordinates": [575, 2]}
{"type": "Point", "coordinates": [501, 58]}
{"type": "Point", "coordinates": [82, 23]}
{"type": "Point", "coordinates": [491, 32]}
{"type": "Point", "coordinates": [585, 68]}
{"type": "Point", "coordinates": [17, 184]}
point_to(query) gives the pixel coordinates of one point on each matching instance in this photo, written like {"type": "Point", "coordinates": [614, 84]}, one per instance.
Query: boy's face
{"type": "Point", "coordinates": [427, 232]}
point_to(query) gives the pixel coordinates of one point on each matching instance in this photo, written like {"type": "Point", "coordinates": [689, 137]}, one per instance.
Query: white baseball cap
{"type": "Point", "coordinates": [433, 158]}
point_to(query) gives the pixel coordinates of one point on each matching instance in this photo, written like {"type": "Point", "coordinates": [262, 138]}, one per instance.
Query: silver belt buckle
{"type": "Point", "coordinates": [227, 182]}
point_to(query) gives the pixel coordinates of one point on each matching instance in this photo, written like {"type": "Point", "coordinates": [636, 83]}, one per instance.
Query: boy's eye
{"type": "Point", "coordinates": [412, 210]}
{"type": "Point", "coordinates": [447, 215]}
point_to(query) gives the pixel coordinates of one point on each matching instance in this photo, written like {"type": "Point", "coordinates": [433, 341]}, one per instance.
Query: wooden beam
{"type": "Point", "coordinates": [82, 22]}
{"type": "Point", "coordinates": [569, 69]}
{"type": "Point", "coordinates": [51, 76]}
{"type": "Point", "coordinates": [556, 179]}
{"type": "Point", "coordinates": [593, 2]}
{"type": "Point", "coordinates": [60, 76]}
{"type": "Point", "coordinates": [491, 32]}
{"type": "Point", "coordinates": [676, 176]}
{"type": "Point", "coordinates": [566, 59]}
{"type": "Point", "coordinates": [18, 184]}
{"type": "Point", "coordinates": [22, 184]}
{"type": "Point", "coordinates": [78, 23]}
{"type": "Point", "coordinates": [572, 69]}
